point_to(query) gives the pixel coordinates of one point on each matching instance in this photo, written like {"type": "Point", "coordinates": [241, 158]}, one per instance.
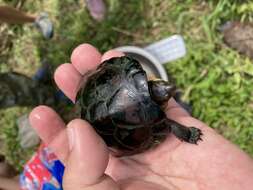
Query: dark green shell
{"type": "Point", "coordinates": [117, 102]}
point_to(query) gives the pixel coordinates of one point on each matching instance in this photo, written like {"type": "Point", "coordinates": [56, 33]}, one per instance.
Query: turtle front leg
{"type": "Point", "coordinates": [188, 134]}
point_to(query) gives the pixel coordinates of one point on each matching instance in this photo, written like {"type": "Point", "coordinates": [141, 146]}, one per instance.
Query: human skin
{"type": "Point", "coordinates": [214, 163]}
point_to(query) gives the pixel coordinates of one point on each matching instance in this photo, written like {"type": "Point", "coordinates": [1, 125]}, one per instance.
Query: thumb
{"type": "Point", "coordinates": [87, 160]}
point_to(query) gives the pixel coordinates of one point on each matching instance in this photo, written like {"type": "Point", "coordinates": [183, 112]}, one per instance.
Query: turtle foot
{"type": "Point", "coordinates": [195, 135]}
{"type": "Point", "coordinates": [187, 134]}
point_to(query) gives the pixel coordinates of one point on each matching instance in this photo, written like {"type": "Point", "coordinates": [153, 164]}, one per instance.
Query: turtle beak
{"type": "Point", "coordinates": [171, 91]}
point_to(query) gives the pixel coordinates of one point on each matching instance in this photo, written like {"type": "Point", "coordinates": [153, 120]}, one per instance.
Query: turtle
{"type": "Point", "coordinates": [127, 110]}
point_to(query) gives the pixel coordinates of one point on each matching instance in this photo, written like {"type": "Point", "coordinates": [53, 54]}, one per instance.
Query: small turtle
{"type": "Point", "coordinates": [126, 109]}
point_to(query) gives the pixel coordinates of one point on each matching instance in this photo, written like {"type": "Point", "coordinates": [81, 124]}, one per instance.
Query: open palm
{"type": "Point", "coordinates": [212, 164]}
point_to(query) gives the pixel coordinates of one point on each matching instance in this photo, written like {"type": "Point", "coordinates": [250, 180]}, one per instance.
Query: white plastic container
{"type": "Point", "coordinates": [153, 56]}
{"type": "Point", "coordinates": [149, 63]}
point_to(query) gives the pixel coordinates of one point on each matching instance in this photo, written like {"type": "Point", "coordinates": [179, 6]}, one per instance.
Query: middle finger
{"type": "Point", "coordinates": [69, 77]}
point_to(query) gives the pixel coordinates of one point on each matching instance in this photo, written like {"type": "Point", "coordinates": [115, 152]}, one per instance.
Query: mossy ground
{"type": "Point", "coordinates": [214, 79]}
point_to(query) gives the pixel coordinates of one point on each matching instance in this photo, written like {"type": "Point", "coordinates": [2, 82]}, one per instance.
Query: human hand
{"type": "Point", "coordinates": [213, 164]}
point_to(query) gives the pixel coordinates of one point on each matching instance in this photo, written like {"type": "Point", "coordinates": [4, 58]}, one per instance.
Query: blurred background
{"type": "Point", "coordinates": [215, 77]}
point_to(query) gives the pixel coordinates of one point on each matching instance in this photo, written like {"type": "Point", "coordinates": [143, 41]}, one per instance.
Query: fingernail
{"type": "Point", "coordinates": [37, 116]}
{"type": "Point", "coordinates": [70, 132]}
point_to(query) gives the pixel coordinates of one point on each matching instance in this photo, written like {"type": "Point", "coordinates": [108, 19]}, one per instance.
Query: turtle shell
{"type": "Point", "coordinates": [117, 103]}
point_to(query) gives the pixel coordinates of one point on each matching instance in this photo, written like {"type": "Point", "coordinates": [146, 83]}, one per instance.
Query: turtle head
{"type": "Point", "coordinates": [161, 91]}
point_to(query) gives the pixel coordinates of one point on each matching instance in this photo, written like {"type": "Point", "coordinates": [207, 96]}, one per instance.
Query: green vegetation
{"type": "Point", "coordinates": [215, 79]}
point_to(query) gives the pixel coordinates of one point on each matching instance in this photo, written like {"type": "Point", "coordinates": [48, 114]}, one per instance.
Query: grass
{"type": "Point", "coordinates": [214, 79]}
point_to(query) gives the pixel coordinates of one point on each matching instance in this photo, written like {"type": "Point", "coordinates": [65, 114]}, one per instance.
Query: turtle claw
{"type": "Point", "coordinates": [187, 134]}
{"type": "Point", "coordinates": [195, 135]}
